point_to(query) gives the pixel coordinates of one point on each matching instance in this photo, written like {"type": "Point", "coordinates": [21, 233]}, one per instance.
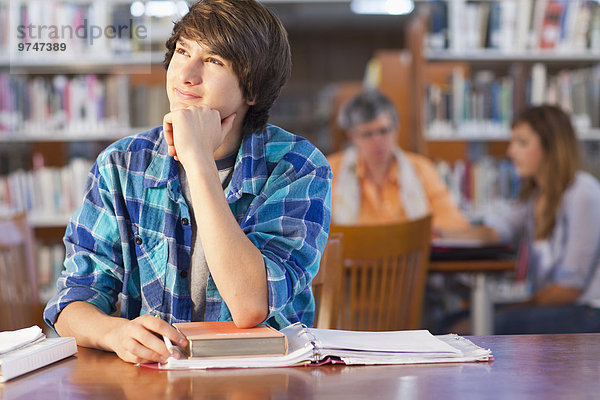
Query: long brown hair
{"type": "Point", "coordinates": [559, 163]}
{"type": "Point", "coordinates": [252, 38]}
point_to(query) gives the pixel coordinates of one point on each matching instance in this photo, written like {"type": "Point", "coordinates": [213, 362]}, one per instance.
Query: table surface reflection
{"type": "Point", "coordinates": [525, 367]}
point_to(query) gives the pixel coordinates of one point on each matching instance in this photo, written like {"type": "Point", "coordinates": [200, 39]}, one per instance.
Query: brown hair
{"type": "Point", "coordinates": [252, 38]}
{"type": "Point", "coordinates": [560, 160]}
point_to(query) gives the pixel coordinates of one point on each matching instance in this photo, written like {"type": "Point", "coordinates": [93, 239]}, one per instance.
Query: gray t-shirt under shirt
{"type": "Point", "coordinates": [199, 267]}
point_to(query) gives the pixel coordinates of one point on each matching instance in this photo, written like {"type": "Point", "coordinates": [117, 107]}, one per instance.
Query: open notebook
{"type": "Point", "coordinates": [315, 346]}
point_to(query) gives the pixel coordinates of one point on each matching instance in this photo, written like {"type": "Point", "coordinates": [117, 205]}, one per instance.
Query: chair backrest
{"type": "Point", "coordinates": [385, 271]}
{"type": "Point", "coordinates": [327, 284]}
{"type": "Point", "coordinates": [19, 298]}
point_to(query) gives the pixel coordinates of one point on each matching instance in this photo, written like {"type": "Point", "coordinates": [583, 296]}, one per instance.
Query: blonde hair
{"type": "Point", "coordinates": [559, 163]}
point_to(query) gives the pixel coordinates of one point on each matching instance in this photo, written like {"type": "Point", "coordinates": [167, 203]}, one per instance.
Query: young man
{"type": "Point", "coordinates": [213, 216]}
{"type": "Point", "coordinates": [375, 182]}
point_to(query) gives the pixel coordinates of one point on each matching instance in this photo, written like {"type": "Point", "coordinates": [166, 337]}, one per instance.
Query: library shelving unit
{"type": "Point", "coordinates": [58, 111]}
{"type": "Point", "coordinates": [470, 66]}
{"type": "Point", "coordinates": [480, 62]}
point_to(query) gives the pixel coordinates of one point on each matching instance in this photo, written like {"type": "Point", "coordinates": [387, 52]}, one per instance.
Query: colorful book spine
{"type": "Point", "coordinates": [45, 191]}
{"type": "Point", "coordinates": [514, 25]}
{"type": "Point", "coordinates": [483, 106]}
{"type": "Point", "coordinates": [479, 186]}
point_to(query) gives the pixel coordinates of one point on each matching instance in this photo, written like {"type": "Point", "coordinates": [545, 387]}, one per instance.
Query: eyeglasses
{"type": "Point", "coordinates": [368, 134]}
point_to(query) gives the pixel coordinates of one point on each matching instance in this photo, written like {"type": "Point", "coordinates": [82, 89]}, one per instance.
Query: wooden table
{"type": "Point", "coordinates": [482, 307]}
{"type": "Point", "coordinates": [525, 367]}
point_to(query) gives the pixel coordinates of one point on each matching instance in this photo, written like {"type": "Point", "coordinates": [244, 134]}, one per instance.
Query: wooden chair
{"type": "Point", "coordinates": [327, 285]}
{"type": "Point", "coordinates": [385, 270]}
{"type": "Point", "coordinates": [19, 300]}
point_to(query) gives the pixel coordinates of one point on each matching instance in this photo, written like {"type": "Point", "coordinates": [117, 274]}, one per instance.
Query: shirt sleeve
{"type": "Point", "coordinates": [510, 222]}
{"type": "Point", "coordinates": [581, 240]}
{"type": "Point", "coordinates": [93, 263]}
{"type": "Point", "coordinates": [446, 215]}
{"type": "Point", "coordinates": [289, 224]}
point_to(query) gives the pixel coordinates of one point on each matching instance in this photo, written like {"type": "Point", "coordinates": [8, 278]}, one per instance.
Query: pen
{"type": "Point", "coordinates": [168, 343]}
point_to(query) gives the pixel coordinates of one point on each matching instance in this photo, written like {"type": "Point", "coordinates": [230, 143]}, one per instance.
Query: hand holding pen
{"type": "Point", "coordinates": [142, 340]}
{"type": "Point", "coordinates": [175, 351]}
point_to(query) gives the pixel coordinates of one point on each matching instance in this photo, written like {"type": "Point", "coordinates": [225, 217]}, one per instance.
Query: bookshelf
{"type": "Point", "coordinates": [518, 52]}
{"type": "Point", "coordinates": [59, 109]}
{"type": "Point", "coordinates": [474, 65]}
{"type": "Point", "coordinates": [59, 105]}
{"type": "Point", "coordinates": [478, 63]}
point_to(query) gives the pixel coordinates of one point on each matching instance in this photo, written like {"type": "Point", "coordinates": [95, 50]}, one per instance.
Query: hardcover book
{"type": "Point", "coordinates": [224, 339]}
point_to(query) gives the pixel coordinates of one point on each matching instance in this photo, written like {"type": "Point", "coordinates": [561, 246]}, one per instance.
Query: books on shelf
{"type": "Point", "coordinates": [77, 107]}
{"type": "Point", "coordinates": [45, 190]}
{"type": "Point", "coordinates": [438, 25]}
{"type": "Point", "coordinates": [149, 104]}
{"type": "Point", "coordinates": [84, 28]}
{"type": "Point", "coordinates": [482, 186]}
{"type": "Point", "coordinates": [26, 350]}
{"type": "Point", "coordinates": [562, 26]}
{"type": "Point", "coordinates": [46, 105]}
{"type": "Point", "coordinates": [552, 24]}
{"type": "Point", "coordinates": [50, 259]}
{"type": "Point", "coordinates": [483, 106]}
{"type": "Point", "coordinates": [223, 339]}
{"type": "Point", "coordinates": [4, 27]}
{"type": "Point", "coordinates": [318, 346]}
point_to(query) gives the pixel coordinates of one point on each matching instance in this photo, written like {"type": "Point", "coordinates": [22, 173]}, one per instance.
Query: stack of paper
{"type": "Point", "coordinates": [395, 347]}
{"type": "Point", "coordinates": [25, 350]}
{"type": "Point", "coordinates": [13, 340]}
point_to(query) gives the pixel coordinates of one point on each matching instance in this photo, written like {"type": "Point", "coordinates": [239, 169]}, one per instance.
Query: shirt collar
{"type": "Point", "coordinates": [390, 177]}
{"type": "Point", "coordinates": [250, 171]}
{"type": "Point", "coordinates": [249, 174]}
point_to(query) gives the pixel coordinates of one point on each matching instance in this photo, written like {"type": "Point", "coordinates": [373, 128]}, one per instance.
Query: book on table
{"type": "Point", "coordinates": [28, 349]}
{"type": "Point", "coordinates": [224, 339]}
{"type": "Point", "coordinates": [319, 346]}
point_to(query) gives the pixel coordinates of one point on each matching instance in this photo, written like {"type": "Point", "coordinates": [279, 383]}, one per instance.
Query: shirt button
{"type": "Point", "coordinates": [183, 274]}
{"type": "Point", "coordinates": [185, 221]}
{"type": "Point", "coordinates": [139, 240]}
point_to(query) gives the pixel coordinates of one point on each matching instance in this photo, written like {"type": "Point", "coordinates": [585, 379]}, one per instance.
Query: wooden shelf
{"type": "Point", "coordinates": [63, 136]}
{"type": "Point", "coordinates": [48, 221]}
{"type": "Point", "coordinates": [83, 63]}
{"type": "Point", "coordinates": [489, 55]}
{"type": "Point", "coordinates": [454, 136]}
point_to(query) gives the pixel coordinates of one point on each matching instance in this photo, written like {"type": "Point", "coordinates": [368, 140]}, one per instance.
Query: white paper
{"type": "Point", "coordinates": [466, 243]}
{"type": "Point", "coordinates": [12, 340]}
{"type": "Point", "coordinates": [413, 341]}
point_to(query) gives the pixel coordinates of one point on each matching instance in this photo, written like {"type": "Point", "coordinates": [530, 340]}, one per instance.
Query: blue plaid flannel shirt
{"type": "Point", "coordinates": [130, 238]}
